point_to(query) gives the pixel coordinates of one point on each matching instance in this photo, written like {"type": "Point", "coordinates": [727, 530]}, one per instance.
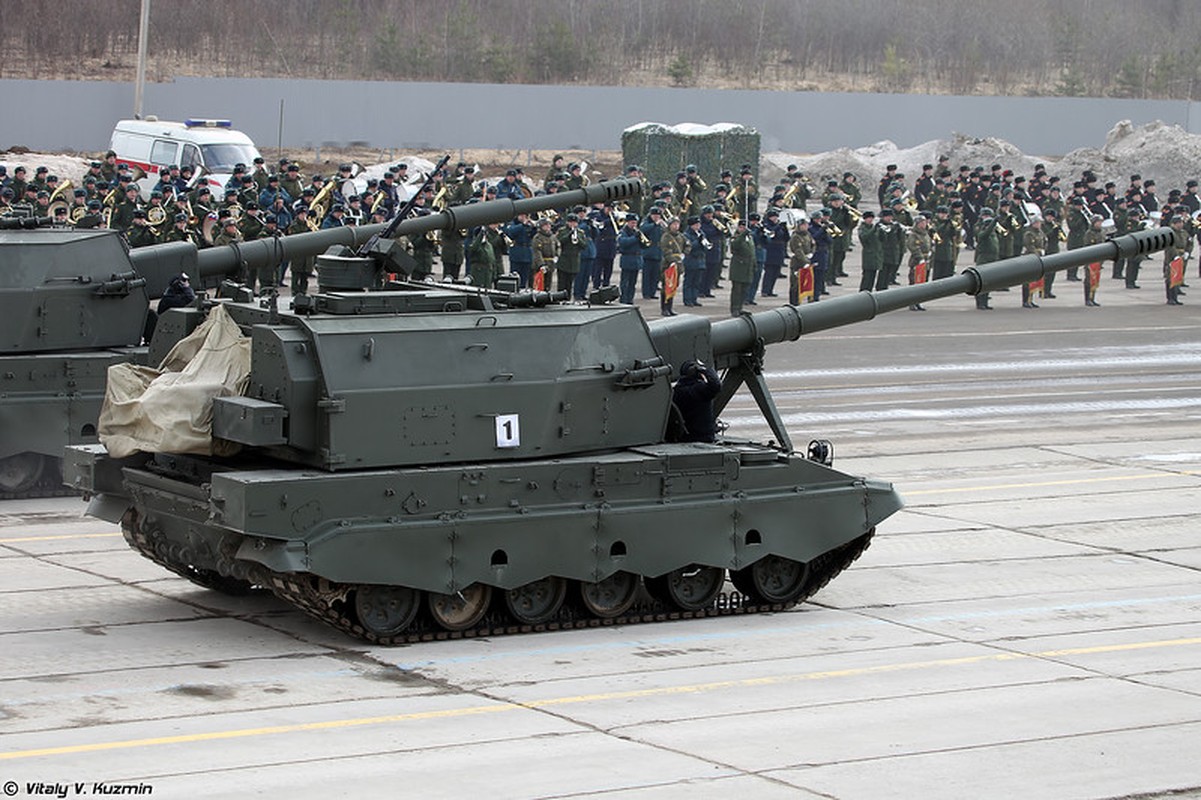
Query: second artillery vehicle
{"type": "Point", "coordinates": [445, 461]}
{"type": "Point", "coordinates": [74, 302]}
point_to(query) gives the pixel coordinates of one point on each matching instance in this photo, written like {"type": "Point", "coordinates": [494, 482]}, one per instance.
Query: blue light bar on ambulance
{"type": "Point", "coordinates": [207, 123]}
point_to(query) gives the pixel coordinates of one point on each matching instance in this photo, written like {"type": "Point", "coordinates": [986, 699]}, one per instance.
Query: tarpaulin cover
{"type": "Point", "coordinates": [170, 409]}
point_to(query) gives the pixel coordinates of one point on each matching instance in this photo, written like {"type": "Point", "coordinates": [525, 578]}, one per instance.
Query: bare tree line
{"type": "Point", "coordinates": [1113, 48]}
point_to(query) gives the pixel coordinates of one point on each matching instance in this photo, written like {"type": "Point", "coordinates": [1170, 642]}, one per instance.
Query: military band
{"type": "Point", "coordinates": [679, 232]}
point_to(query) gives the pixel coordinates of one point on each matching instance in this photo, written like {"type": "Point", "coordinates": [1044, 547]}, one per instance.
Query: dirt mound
{"type": "Point", "coordinates": [1156, 150]}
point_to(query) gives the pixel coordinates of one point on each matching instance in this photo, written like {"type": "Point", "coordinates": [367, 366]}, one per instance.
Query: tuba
{"type": "Point", "coordinates": [60, 191]}
{"type": "Point", "coordinates": [320, 204]}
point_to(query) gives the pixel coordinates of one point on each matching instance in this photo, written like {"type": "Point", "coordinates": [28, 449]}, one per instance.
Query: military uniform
{"type": "Point", "coordinates": [250, 226]}
{"type": "Point", "coordinates": [742, 267]}
{"type": "Point", "coordinates": [1094, 235]}
{"type": "Point", "coordinates": [944, 235]}
{"type": "Point", "coordinates": [452, 251]}
{"type": "Point", "coordinates": [571, 241]}
{"type": "Point", "coordinates": [1078, 223]}
{"type": "Point", "coordinates": [140, 235]}
{"type": "Point", "coordinates": [892, 249]}
{"type": "Point", "coordinates": [1178, 248]}
{"type": "Point", "coordinates": [674, 246]}
{"type": "Point", "coordinates": [920, 247]}
{"type": "Point", "coordinates": [840, 242]}
{"type": "Point", "coordinates": [872, 239]}
{"type": "Point", "coordinates": [484, 259]}
{"type": "Point", "coordinates": [652, 258]}
{"type": "Point", "coordinates": [425, 247]}
{"type": "Point", "coordinates": [1034, 242]}
{"type": "Point", "coordinates": [545, 252]}
{"type": "Point", "coordinates": [987, 250]}
{"type": "Point", "coordinates": [302, 268]}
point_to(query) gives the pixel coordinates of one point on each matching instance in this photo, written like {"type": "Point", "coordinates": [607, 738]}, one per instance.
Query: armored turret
{"type": "Point", "coordinates": [76, 302]}
{"type": "Point", "coordinates": [433, 460]}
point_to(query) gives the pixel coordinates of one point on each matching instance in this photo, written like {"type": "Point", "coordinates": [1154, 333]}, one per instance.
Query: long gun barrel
{"type": "Point", "coordinates": [737, 344]}
{"type": "Point", "coordinates": [159, 263]}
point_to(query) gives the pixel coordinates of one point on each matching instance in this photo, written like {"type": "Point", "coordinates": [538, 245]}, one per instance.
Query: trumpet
{"type": "Point", "coordinates": [936, 238]}
{"type": "Point", "coordinates": [855, 213]}
{"type": "Point", "coordinates": [1001, 229]}
{"type": "Point", "coordinates": [575, 236]}
{"type": "Point", "coordinates": [705, 243]}
{"type": "Point", "coordinates": [833, 229]}
{"type": "Point", "coordinates": [1063, 235]}
{"type": "Point", "coordinates": [645, 241]}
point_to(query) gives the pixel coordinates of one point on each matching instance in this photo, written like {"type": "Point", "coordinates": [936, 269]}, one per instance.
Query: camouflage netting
{"type": "Point", "coordinates": [664, 150]}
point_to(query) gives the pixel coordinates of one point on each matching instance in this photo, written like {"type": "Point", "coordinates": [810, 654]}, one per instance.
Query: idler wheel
{"type": "Point", "coordinates": [461, 610]}
{"type": "Point", "coordinates": [772, 579]}
{"type": "Point", "coordinates": [537, 601]}
{"type": "Point", "coordinates": [386, 610]}
{"type": "Point", "coordinates": [21, 472]}
{"type": "Point", "coordinates": [611, 597]}
{"type": "Point", "coordinates": [689, 588]}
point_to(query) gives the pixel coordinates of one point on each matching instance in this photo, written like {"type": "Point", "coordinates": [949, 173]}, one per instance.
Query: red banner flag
{"type": "Point", "coordinates": [671, 280]}
{"type": "Point", "coordinates": [804, 283]}
{"type": "Point", "coordinates": [1092, 276]}
{"type": "Point", "coordinates": [539, 281]}
{"type": "Point", "coordinates": [1176, 272]}
{"type": "Point", "coordinates": [919, 272]}
{"type": "Point", "coordinates": [1037, 286]}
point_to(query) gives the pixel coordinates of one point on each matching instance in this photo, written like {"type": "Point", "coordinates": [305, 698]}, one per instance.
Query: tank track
{"type": "Point", "coordinates": [49, 485]}
{"type": "Point", "coordinates": [326, 601]}
{"type": "Point", "coordinates": [144, 543]}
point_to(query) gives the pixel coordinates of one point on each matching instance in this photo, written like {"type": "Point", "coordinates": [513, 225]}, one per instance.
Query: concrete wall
{"type": "Point", "coordinates": [79, 115]}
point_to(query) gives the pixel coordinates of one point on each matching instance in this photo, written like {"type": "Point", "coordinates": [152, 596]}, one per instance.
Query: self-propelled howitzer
{"type": "Point", "coordinates": [446, 462]}
{"type": "Point", "coordinates": [74, 302]}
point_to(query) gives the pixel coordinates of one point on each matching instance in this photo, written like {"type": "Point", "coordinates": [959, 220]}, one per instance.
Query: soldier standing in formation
{"type": "Point", "coordinates": [985, 236]}
{"type": "Point", "coordinates": [572, 241]}
{"type": "Point", "coordinates": [674, 246]}
{"type": "Point", "coordinates": [872, 239]}
{"type": "Point", "coordinates": [1034, 242]}
{"type": "Point", "coordinates": [742, 265]}
{"type": "Point", "coordinates": [920, 248]}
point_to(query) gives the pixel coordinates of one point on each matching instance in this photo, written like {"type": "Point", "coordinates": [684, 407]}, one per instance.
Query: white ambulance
{"type": "Point", "coordinates": [210, 146]}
